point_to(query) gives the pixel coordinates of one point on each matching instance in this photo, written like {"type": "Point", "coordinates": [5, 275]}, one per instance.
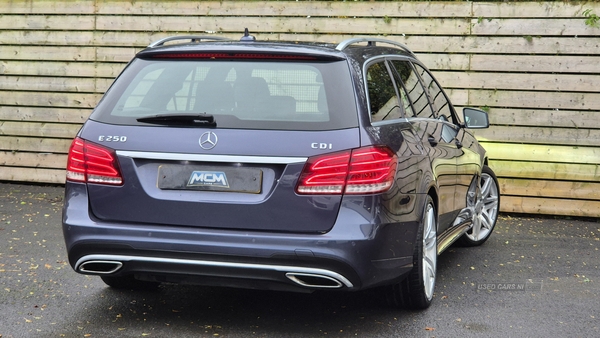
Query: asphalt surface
{"type": "Point", "coordinates": [535, 277]}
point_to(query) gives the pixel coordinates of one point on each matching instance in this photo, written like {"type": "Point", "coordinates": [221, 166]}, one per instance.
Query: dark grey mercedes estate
{"type": "Point", "coordinates": [276, 165]}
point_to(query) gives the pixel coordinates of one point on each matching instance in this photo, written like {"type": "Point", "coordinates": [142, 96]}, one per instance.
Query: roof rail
{"type": "Point", "coordinates": [371, 42]}
{"type": "Point", "coordinates": [193, 38]}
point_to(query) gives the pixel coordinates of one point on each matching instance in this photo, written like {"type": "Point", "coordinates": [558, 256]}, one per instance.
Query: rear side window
{"type": "Point", "coordinates": [439, 100]}
{"type": "Point", "coordinates": [414, 89]}
{"type": "Point", "coordinates": [239, 94]}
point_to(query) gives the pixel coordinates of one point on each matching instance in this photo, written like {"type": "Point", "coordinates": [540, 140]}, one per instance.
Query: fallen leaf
{"type": "Point", "coordinates": [430, 329]}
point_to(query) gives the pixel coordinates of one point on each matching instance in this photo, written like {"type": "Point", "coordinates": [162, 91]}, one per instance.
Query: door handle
{"type": "Point", "coordinates": [432, 141]}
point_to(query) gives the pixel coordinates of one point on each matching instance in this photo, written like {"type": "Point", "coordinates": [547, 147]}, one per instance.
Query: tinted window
{"type": "Point", "coordinates": [414, 89]}
{"type": "Point", "coordinates": [248, 94]}
{"type": "Point", "coordinates": [439, 100]}
{"type": "Point", "coordinates": [383, 100]}
{"type": "Point", "coordinates": [403, 70]}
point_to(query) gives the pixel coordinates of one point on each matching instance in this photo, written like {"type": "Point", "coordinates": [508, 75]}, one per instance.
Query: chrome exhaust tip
{"type": "Point", "coordinates": [99, 267]}
{"type": "Point", "coordinates": [314, 280]}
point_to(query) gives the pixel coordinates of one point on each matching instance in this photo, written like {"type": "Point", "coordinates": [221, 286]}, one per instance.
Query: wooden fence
{"type": "Point", "coordinates": [535, 66]}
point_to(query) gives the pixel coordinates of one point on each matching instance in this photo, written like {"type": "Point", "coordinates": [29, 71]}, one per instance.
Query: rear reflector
{"type": "Point", "coordinates": [91, 163]}
{"type": "Point", "coordinates": [365, 170]}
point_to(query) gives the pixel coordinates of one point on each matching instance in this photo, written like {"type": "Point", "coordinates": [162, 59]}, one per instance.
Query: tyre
{"type": "Point", "coordinates": [129, 282]}
{"type": "Point", "coordinates": [416, 291]}
{"type": "Point", "coordinates": [485, 208]}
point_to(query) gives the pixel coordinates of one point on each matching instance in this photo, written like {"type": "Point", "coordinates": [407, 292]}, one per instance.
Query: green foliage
{"type": "Point", "coordinates": [592, 19]}
{"type": "Point", "coordinates": [481, 18]}
{"type": "Point", "coordinates": [387, 19]}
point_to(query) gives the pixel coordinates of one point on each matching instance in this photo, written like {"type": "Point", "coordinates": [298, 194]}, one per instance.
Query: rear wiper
{"type": "Point", "coordinates": [200, 120]}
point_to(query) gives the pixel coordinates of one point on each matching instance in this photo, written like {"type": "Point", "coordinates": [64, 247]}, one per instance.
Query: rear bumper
{"type": "Point", "coordinates": [357, 253]}
{"type": "Point", "coordinates": [180, 270]}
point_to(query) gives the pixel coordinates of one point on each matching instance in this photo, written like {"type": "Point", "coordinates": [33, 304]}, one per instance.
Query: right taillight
{"type": "Point", "coordinates": [366, 170]}
{"type": "Point", "coordinates": [91, 163]}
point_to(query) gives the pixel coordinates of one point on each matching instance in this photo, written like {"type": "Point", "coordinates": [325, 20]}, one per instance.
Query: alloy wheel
{"type": "Point", "coordinates": [485, 208]}
{"type": "Point", "coordinates": [429, 263]}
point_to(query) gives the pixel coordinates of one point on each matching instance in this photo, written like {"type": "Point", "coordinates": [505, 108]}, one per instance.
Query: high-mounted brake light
{"type": "Point", "coordinates": [91, 163]}
{"type": "Point", "coordinates": [365, 170]}
{"type": "Point", "coordinates": [231, 56]}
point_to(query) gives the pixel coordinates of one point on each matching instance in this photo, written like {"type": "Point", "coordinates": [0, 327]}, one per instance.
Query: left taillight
{"type": "Point", "coordinates": [92, 163]}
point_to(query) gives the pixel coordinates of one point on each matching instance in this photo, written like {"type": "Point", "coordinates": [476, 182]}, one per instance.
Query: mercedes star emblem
{"type": "Point", "coordinates": [208, 140]}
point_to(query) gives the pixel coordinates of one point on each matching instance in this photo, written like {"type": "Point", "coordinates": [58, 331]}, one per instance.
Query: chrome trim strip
{"type": "Point", "coordinates": [211, 158]}
{"type": "Point", "coordinates": [277, 268]}
{"type": "Point", "coordinates": [447, 238]}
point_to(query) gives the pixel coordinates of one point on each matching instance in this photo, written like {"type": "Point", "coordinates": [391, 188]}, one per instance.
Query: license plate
{"type": "Point", "coordinates": [210, 178]}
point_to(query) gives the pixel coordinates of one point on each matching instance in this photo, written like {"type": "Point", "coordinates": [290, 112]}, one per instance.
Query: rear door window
{"type": "Point", "coordinates": [383, 100]}
{"type": "Point", "coordinates": [402, 71]}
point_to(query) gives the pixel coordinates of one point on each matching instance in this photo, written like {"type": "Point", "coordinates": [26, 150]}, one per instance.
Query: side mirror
{"type": "Point", "coordinates": [475, 118]}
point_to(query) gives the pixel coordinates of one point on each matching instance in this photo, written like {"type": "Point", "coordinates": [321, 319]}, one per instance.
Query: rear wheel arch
{"type": "Point", "coordinates": [416, 291]}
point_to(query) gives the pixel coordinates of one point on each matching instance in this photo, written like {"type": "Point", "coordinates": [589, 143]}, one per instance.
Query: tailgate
{"type": "Point", "coordinates": [246, 182]}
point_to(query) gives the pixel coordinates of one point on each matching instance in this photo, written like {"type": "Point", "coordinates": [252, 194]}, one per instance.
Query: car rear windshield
{"type": "Point", "coordinates": [272, 94]}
